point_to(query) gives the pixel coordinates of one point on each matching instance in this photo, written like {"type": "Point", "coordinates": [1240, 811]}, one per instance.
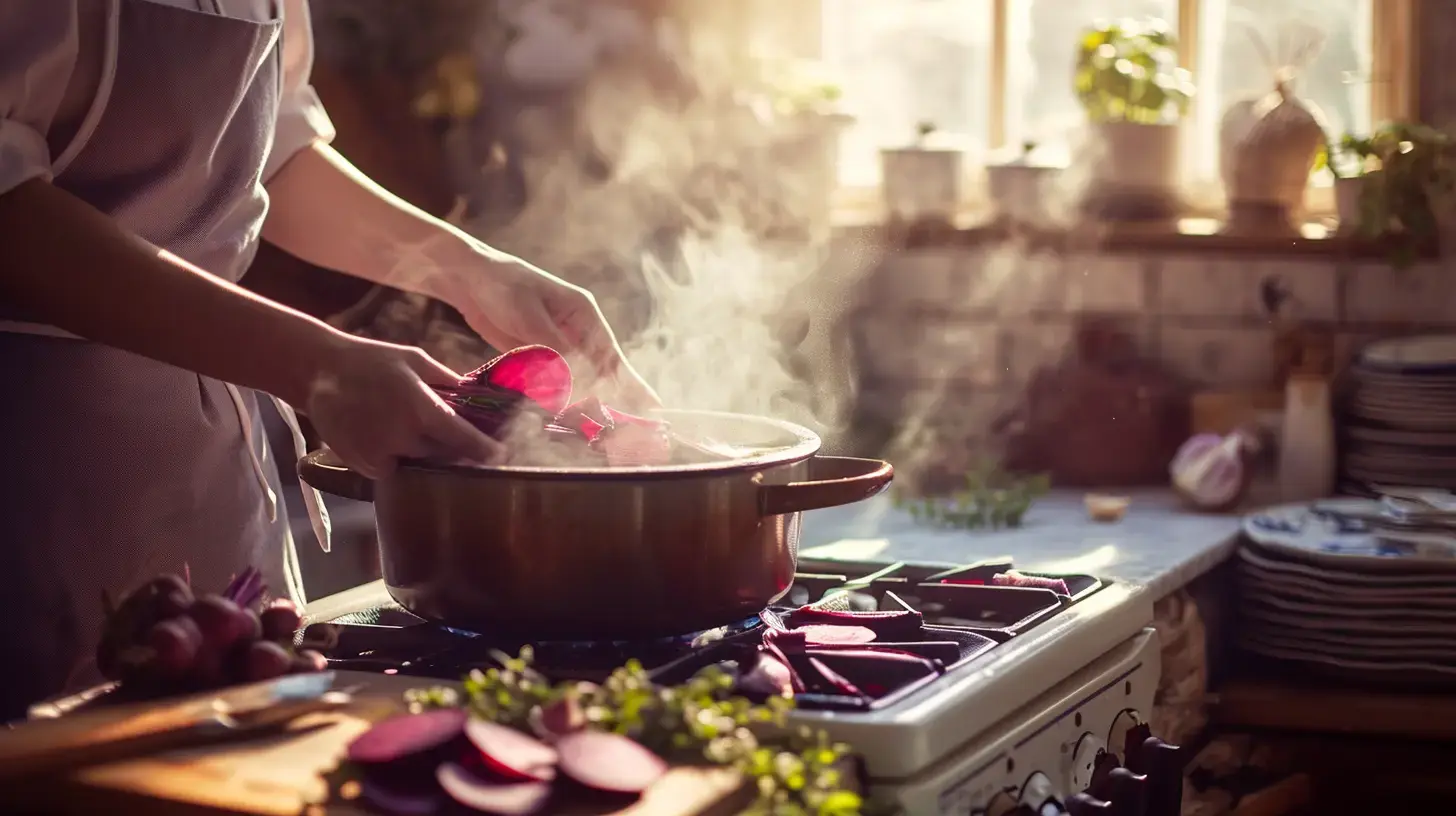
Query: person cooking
{"type": "Point", "coordinates": [145, 147]}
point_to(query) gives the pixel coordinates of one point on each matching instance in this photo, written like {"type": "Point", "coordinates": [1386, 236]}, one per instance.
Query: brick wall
{"type": "Point", "coordinates": [952, 335]}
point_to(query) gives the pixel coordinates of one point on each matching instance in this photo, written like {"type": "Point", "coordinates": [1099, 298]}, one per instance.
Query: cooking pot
{"type": "Point", "coordinates": [604, 553]}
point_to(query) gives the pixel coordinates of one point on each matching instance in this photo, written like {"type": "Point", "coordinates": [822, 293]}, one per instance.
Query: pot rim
{"type": "Point", "coordinates": [806, 443]}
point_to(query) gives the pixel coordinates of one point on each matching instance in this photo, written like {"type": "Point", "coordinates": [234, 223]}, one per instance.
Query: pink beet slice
{"type": "Point", "coordinates": [399, 802]}
{"type": "Point", "coordinates": [609, 762]}
{"type": "Point", "coordinates": [538, 372]}
{"type": "Point", "coordinates": [826, 634]}
{"type": "Point", "coordinates": [469, 790]}
{"type": "Point", "coordinates": [407, 736]}
{"type": "Point", "coordinates": [510, 753]}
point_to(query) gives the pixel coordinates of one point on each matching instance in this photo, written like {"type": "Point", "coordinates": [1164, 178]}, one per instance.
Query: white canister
{"type": "Point", "coordinates": [1307, 443]}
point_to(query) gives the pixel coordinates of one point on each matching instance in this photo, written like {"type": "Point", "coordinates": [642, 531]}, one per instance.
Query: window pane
{"type": "Point", "coordinates": [1042, 38]}
{"type": "Point", "coordinates": [906, 62]}
{"type": "Point", "coordinates": [1235, 34]}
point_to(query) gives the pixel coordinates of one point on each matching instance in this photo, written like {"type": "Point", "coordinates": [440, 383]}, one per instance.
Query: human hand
{"type": "Point", "coordinates": [510, 303]}
{"type": "Point", "coordinates": [372, 404]}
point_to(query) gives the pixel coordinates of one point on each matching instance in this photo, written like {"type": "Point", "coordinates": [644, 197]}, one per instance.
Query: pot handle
{"type": "Point", "coordinates": [833, 481]}
{"type": "Point", "coordinates": [323, 471]}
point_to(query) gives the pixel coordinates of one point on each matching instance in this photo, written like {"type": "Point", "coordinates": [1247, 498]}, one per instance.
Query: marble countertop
{"type": "Point", "coordinates": [1157, 544]}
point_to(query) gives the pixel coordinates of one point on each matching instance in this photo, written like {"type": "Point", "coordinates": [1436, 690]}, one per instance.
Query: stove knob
{"type": "Point", "coordinates": [1002, 804]}
{"type": "Point", "coordinates": [1102, 766]}
{"type": "Point", "coordinates": [1128, 792]}
{"type": "Point", "coordinates": [1036, 789]}
{"type": "Point", "coordinates": [1084, 760]}
{"type": "Point", "coordinates": [1126, 737]}
{"type": "Point", "coordinates": [1163, 764]}
{"type": "Point", "coordinates": [1081, 804]}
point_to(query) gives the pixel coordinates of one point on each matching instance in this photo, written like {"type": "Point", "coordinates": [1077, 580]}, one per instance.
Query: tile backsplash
{"type": "Point", "coordinates": [962, 330]}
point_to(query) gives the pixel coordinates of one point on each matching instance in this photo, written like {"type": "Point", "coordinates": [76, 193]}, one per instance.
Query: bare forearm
{"type": "Point", "coordinates": [70, 266]}
{"type": "Point", "coordinates": [325, 211]}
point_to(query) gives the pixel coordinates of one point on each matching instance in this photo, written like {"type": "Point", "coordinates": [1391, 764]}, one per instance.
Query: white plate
{"type": "Point", "coordinates": [1442, 617]}
{"type": "Point", "coordinates": [1358, 631]}
{"type": "Point", "coordinates": [1433, 354]}
{"type": "Point", "coordinates": [1292, 530]}
{"type": "Point", "coordinates": [1394, 437]}
{"type": "Point", "coordinates": [1340, 574]}
{"type": "Point", "coordinates": [1365, 600]}
{"type": "Point", "coordinates": [1372, 665]}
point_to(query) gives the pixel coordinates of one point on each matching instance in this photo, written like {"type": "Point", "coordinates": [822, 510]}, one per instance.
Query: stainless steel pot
{"type": "Point", "coordinates": [552, 553]}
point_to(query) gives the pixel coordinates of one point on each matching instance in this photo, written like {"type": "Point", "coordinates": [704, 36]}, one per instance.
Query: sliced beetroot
{"type": "Point", "coordinates": [834, 635]}
{"type": "Point", "coordinates": [630, 445]}
{"type": "Point", "coordinates": [769, 677]}
{"type": "Point", "coordinates": [609, 762]}
{"type": "Point", "coordinates": [484, 796]}
{"type": "Point", "coordinates": [408, 736]}
{"type": "Point", "coordinates": [897, 625]}
{"type": "Point", "coordinates": [401, 801]}
{"type": "Point", "coordinates": [1015, 578]}
{"type": "Point", "coordinates": [587, 416]}
{"type": "Point", "coordinates": [539, 372]}
{"type": "Point", "coordinates": [511, 753]}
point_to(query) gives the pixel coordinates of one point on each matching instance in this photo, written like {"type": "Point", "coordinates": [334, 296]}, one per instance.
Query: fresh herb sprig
{"type": "Point", "coordinates": [793, 773]}
{"type": "Point", "coordinates": [991, 500]}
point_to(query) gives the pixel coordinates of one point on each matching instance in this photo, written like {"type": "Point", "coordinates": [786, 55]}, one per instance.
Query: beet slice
{"type": "Point", "coordinates": [511, 799]}
{"type": "Point", "coordinates": [836, 680]}
{"type": "Point", "coordinates": [538, 372]}
{"type": "Point", "coordinates": [769, 677]}
{"type": "Point", "coordinates": [407, 736]}
{"type": "Point", "coordinates": [400, 802]}
{"type": "Point", "coordinates": [827, 634]}
{"type": "Point", "coordinates": [511, 753]}
{"type": "Point", "coordinates": [901, 625]}
{"type": "Point", "coordinates": [609, 762]}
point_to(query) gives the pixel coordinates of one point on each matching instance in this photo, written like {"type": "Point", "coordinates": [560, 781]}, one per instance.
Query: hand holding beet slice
{"type": "Point", "coordinates": [407, 737]}
{"type": "Point", "coordinates": [539, 372]}
{"type": "Point", "coordinates": [511, 753]}
{"type": "Point", "coordinates": [513, 799]}
{"type": "Point", "coordinates": [608, 762]}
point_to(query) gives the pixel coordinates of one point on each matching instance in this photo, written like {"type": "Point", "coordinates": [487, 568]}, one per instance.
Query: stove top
{"type": "Point", "coordinates": [944, 617]}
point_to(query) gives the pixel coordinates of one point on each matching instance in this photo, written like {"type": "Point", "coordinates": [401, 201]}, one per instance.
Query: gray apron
{"type": "Point", "coordinates": [118, 468]}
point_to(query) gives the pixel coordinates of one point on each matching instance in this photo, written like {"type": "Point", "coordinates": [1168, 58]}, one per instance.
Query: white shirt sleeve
{"type": "Point", "coordinates": [38, 47]}
{"type": "Point", "coordinates": [302, 119]}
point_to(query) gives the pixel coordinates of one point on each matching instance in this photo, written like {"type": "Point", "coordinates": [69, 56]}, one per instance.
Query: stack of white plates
{"type": "Point", "coordinates": [1399, 424]}
{"type": "Point", "coordinates": [1338, 588]}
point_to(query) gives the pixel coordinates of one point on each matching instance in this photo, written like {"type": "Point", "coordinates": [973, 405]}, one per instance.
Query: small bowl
{"type": "Point", "coordinates": [1106, 509]}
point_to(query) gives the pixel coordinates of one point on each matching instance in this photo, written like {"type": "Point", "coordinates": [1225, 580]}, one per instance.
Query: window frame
{"type": "Point", "coordinates": [1393, 90]}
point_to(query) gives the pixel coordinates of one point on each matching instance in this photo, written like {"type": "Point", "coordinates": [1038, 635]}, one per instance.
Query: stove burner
{"type": "Point", "coordinates": [927, 620]}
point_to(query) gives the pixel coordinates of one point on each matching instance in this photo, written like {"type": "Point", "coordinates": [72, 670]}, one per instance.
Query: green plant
{"type": "Point", "coordinates": [1027, 148]}
{"type": "Point", "coordinates": [991, 499]}
{"type": "Point", "coordinates": [1128, 72]}
{"type": "Point", "coordinates": [1409, 176]}
{"type": "Point", "coordinates": [794, 773]}
{"type": "Point", "coordinates": [800, 88]}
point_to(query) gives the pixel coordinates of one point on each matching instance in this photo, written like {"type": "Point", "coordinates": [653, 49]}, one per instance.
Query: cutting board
{"type": "Point", "coordinates": [286, 775]}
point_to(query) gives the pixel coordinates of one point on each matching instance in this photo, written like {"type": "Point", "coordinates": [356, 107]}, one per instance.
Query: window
{"type": "Point", "coordinates": [992, 73]}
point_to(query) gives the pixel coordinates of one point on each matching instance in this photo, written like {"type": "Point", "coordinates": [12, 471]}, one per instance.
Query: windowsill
{"type": "Point", "coordinates": [1184, 235]}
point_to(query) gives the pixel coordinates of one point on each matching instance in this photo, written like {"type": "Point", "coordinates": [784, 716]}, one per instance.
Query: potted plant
{"type": "Point", "coordinates": [1018, 187]}
{"type": "Point", "coordinates": [1398, 186]}
{"type": "Point", "coordinates": [1349, 160]}
{"type": "Point", "coordinates": [1129, 83]}
{"type": "Point", "coordinates": [922, 182]}
{"type": "Point", "coordinates": [805, 103]}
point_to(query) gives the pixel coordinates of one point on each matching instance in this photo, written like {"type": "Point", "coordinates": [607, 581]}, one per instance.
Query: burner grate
{"type": "Point", "coordinates": [955, 616]}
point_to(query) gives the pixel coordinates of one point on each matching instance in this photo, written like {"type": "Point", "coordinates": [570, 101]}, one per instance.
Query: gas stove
{"type": "Point", "coordinates": [1022, 699]}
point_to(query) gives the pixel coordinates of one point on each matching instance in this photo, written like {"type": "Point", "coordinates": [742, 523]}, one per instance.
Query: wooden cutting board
{"type": "Point", "coordinates": [287, 775]}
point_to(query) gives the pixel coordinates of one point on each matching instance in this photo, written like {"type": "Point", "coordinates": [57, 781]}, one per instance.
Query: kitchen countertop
{"type": "Point", "coordinates": [1157, 544]}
